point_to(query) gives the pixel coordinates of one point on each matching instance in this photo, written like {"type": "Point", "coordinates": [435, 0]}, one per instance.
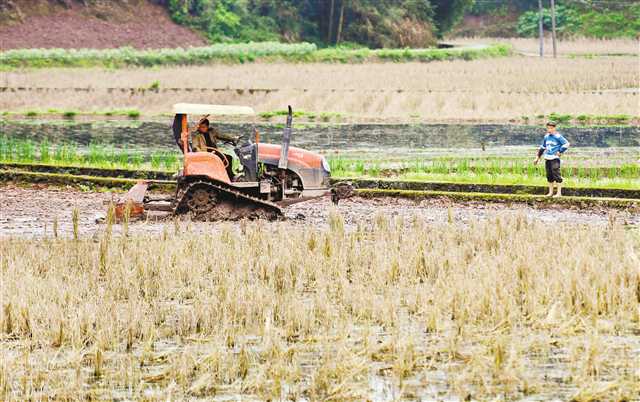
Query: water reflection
{"type": "Point", "coordinates": [405, 139]}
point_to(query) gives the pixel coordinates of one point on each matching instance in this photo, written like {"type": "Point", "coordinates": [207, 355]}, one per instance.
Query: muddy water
{"type": "Point", "coordinates": [549, 376]}
{"type": "Point", "coordinates": [398, 139]}
{"type": "Point", "coordinates": [35, 210]}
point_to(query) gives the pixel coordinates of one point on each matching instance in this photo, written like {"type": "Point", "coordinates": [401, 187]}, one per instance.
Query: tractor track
{"type": "Point", "coordinates": [228, 208]}
{"type": "Point", "coordinates": [31, 211]}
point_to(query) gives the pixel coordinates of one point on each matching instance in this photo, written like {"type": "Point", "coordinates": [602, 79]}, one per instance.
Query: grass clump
{"type": "Point", "coordinates": [155, 86]}
{"type": "Point", "coordinates": [133, 114]}
{"type": "Point", "coordinates": [587, 119]}
{"type": "Point", "coordinates": [69, 114]}
{"type": "Point", "coordinates": [235, 53]}
{"type": "Point", "coordinates": [323, 116]}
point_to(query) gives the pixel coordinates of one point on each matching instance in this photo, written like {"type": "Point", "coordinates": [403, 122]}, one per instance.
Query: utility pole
{"type": "Point", "coordinates": [541, 27]}
{"type": "Point", "coordinates": [553, 28]}
{"type": "Point", "coordinates": [330, 30]}
{"type": "Point", "coordinates": [340, 22]}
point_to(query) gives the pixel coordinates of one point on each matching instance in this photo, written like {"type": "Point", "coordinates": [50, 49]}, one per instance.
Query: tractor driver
{"type": "Point", "coordinates": [205, 139]}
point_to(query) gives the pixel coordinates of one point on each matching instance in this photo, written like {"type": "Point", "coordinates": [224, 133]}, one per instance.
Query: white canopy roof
{"type": "Point", "coordinates": [215, 110]}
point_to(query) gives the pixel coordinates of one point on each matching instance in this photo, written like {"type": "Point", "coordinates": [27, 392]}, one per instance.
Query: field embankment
{"type": "Point", "coordinates": [588, 198]}
{"type": "Point", "coordinates": [124, 177]}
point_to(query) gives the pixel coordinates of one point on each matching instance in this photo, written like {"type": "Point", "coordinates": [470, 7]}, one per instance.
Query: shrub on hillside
{"type": "Point", "coordinates": [609, 23]}
{"type": "Point", "coordinates": [567, 20]}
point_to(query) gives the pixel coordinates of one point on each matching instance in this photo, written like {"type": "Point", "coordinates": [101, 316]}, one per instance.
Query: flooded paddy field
{"type": "Point", "coordinates": [481, 153]}
{"type": "Point", "coordinates": [379, 300]}
{"type": "Point", "coordinates": [354, 148]}
{"type": "Point", "coordinates": [404, 140]}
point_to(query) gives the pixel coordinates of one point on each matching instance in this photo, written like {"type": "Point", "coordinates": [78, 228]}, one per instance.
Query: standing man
{"type": "Point", "coordinates": [553, 145]}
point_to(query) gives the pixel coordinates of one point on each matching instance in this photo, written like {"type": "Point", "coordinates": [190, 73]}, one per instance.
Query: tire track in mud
{"type": "Point", "coordinates": [32, 211]}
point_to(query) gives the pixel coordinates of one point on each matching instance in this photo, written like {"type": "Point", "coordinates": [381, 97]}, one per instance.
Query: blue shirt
{"type": "Point", "coordinates": [552, 144]}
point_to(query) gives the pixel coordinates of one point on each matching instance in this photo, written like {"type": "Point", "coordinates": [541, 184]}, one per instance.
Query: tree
{"type": "Point", "coordinates": [373, 23]}
{"type": "Point", "coordinates": [449, 12]}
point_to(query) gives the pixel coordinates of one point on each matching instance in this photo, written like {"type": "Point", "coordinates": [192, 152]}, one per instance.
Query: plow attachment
{"type": "Point", "coordinates": [136, 203]}
{"type": "Point", "coordinates": [132, 203]}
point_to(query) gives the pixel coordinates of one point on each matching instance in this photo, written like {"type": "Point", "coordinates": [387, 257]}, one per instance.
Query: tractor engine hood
{"type": "Point", "coordinates": [300, 158]}
{"type": "Point", "coordinates": [312, 168]}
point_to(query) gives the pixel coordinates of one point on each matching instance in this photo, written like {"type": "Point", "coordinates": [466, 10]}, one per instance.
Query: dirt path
{"type": "Point", "coordinates": [32, 211]}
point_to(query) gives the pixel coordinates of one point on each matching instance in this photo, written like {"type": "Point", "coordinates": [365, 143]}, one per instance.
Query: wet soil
{"type": "Point", "coordinates": [33, 211]}
{"type": "Point", "coordinates": [386, 183]}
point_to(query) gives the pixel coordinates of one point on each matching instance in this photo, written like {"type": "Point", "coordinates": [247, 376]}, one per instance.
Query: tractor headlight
{"type": "Point", "coordinates": [325, 165]}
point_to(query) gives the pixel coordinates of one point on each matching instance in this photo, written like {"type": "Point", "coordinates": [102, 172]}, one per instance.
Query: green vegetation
{"type": "Point", "coordinates": [567, 20]}
{"type": "Point", "coordinates": [323, 116]}
{"type": "Point", "coordinates": [599, 19]}
{"type": "Point", "coordinates": [487, 165]}
{"type": "Point", "coordinates": [586, 119]}
{"type": "Point", "coordinates": [487, 170]}
{"type": "Point", "coordinates": [96, 155]}
{"type": "Point", "coordinates": [70, 114]}
{"type": "Point", "coordinates": [155, 86]}
{"type": "Point", "coordinates": [618, 119]}
{"type": "Point", "coordinates": [599, 22]}
{"type": "Point", "coordinates": [491, 170]}
{"type": "Point", "coordinates": [611, 24]}
{"type": "Point", "coordinates": [373, 23]}
{"type": "Point", "coordinates": [233, 53]}
{"type": "Point", "coordinates": [133, 114]}
{"type": "Point", "coordinates": [129, 56]}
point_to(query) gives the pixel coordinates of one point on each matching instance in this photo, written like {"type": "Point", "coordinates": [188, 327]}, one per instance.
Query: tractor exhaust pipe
{"type": "Point", "coordinates": [283, 163]}
{"type": "Point", "coordinates": [286, 140]}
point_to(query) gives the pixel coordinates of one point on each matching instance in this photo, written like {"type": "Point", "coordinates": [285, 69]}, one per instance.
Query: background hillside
{"type": "Point", "coordinates": [519, 18]}
{"type": "Point", "coordinates": [371, 23]}
{"type": "Point", "coordinates": [91, 24]}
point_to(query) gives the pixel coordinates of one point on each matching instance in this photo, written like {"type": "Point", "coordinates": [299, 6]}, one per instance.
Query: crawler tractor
{"type": "Point", "coordinates": [271, 177]}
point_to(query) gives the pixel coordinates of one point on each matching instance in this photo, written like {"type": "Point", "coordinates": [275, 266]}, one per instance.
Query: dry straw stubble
{"type": "Point", "coordinates": [505, 88]}
{"type": "Point", "coordinates": [282, 311]}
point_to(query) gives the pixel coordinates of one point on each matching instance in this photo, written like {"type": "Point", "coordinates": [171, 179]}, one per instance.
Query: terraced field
{"type": "Point", "coordinates": [451, 91]}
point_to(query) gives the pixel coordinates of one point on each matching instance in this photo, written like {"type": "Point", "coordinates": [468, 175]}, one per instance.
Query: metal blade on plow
{"type": "Point", "coordinates": [133, 200]}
